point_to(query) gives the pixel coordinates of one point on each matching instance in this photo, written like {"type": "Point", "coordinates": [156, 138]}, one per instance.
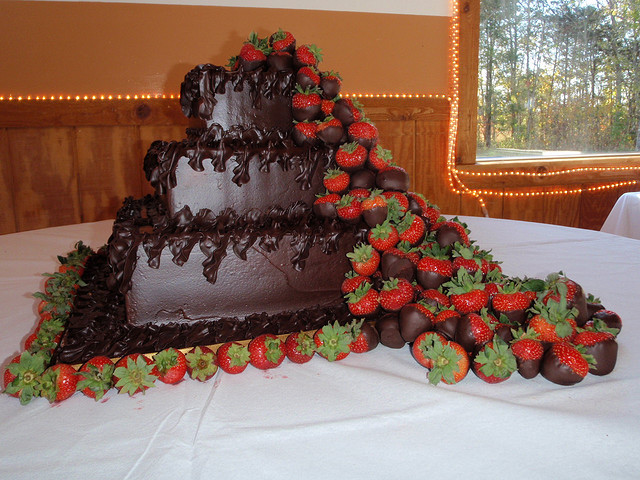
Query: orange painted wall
{"type": "Point", "coordinates": [78, 48]}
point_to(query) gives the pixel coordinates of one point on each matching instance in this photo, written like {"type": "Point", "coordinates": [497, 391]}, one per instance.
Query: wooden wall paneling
{"type": "Point", "coordinates": [554, 209]}
{"type": "Point", "coordinates": [107, 172]}
{"type": "Point", "coordinates": [7, 216]}
{"type": "Point", "coordinates": [149, 134]}
{"type": "Point", "coordinates": [596, 205]}
{"type": "Point", "coordinates": [45, 177]}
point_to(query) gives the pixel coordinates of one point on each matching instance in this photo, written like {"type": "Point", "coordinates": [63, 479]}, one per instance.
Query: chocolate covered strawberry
{"type": "Point", "coordinates": [364, 337]}
{"type": "Point", "coordinates": [395, 294]}
{"type": "Point", "coordinates": [201, 363]}
{"type": "Point", "coordinates": [602, 346]}
{"type": "Point", "coordinates": [398, 262]}
{"type": "Point", "coordinates": [95, 377]}
{"type": "Point", "coordinates": [414, 319]}
{"type": "Point", "coordinates": [553, 322]}
{"type": "Point", "coordinates": [511, 302]}
{"type": "Point", "coordinates": [452, 231]}
{"type": "Point", "coordinates": [374, 209]}
{"type": "Point", "coordinates": [446, 322]}
{"type": "Point", "coordinates": [434, 268]}
{"type": "Point", "coordinates": [305, 104]}
{"type": "Point", "coordinates": [495, 362]}
{"type": "Point", "coordinates": [299, 347]}
{"type": "Point", "coordinates": [22, 376]}
{"type": "Point", "coordinates": [134, 373]}
{"type": "Point", "coordinates": [351, 156]}
{"type": "Point", "coordinates": [325, 205]}
{"type": "Point", "coordinates": [467, 292]}
{"type": "Point", "coordinates": [435, 298]}
{"type": "Point", "coordinates": [564, 364]}
{"type": "Point", "coordinates": [233, 357]}
{"type": "Point", "coordinates": [336, 180]}
{"type": "Point", "coordinates": [349, 209]}
{"type": "Point", "coordinates": [253, 53]}
{"type": "Point", "coordinates": [307, 55]}
{"type": "Point", "coordinates": [379, 158]}
{"type": "Point", "coordinates": [364, 259]}
{"type": "Point", "coordinates": [330, 84]}
{"type": "Point", "coordinates": [364, 301]}
{"type": "Point", "coordinates": [363, 132]}
{"type": "Point", "coordinates": [282, 41]}
{"type": "Point", "coordinates": [332, 341]}
{"type": "Point", "coordinates": [383, 236]}
{"type": "Point", "coordinates": [472, 331]}
{"type": "Point", "coordinates": [528, 351]}
{"type": "Point", "coordinates": [330, 130]}
{"type": "Point", "coordinates": [348, 111]}
{"type": "Point", "coordinates": [393, 177]}
{"type": "Point", "coordinates": [304, 133]}
{"type": "Point", "coordinates": [58, 382]}
{"type": "Point", "coordinates": [171, 365]}
{"type": "Point", "coordinates": [308, 77]}
{"type": "Point", "coordinates": [266, 351]}
{"type": "Point", "coordinates": [561, 286]}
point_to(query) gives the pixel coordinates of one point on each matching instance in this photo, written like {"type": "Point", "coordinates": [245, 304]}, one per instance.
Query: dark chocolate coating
{"type": "Point", "coordinates": [605, 354]}
{"type": "Point", "coordinates": [330, 87]}
{"type": "Point", "coordinates": [394, 266]}
{"type": "Point", "coordinates": [370, 334]}
{"type": "Point", "coordinates": [375, 216]}
{"type": "Point", "coordinates": [280, 61]}
{"type": "Point", "coordinates": [331, 135]}
{"type": "Point", "coordinates": [343, 112]}
{"type": "Point", "coordinates": [413, 322]}
{"type": "Point", "coordinates": [363, 178]}
{"type": "Point", "coordinates": [504, 332]}
{"type": "Point", "coordinates": [395, 179]}
{"type": "Point", "coordinates": [611, 319]}
{"type": "Point", "coordinates": [557, 372]}
{"type": "Point", "coordinates": [325, 210]}
{"type": "Point", "coordinates": [448, 327]}
{"type": "Point", "coordinates": [430, 280]}
{"type": "Point", "coordinates": [464, 334]}
{"type": "Point", "coordinates": [447, 235]}
{"type": "Point", "coordinates": [389, 331]}
{"type": "Point", "coordinates": [513, 316]}
{"type": "Point", "coordinates": [528, 368]}
{"type": "Point", "coordinates": [308, 113]}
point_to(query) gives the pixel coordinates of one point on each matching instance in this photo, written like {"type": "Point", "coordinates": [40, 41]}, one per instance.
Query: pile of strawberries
{"type": "Point", "coordinates": [417, 280]}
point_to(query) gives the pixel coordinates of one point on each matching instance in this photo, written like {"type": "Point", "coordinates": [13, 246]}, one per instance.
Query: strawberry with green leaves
{"type": "Point", "coordinates": [58, 382]}
{"type": "Point", "coordinates": [564, 364]}
{"type": "Point", "coordinates": [171, 365]}
{"type": "Point", "coordinates": [336, 180]}
{"type": "Point", "coordinates": [332, 341]}
{"type": "Point", "coordinates": [364, 337]}
{"type": "Point", "coordinates": [434, 268]}
{"type": "Point", "coordinates": [511, 302]}
{"type": "Point", "coordinates": [253, 53]}
{"type": "Point", "coordinates": [383, 236]}
{"type": "Point", "coordinates": [349, 209]}
{"type": "Point", "coordinates": [553, 321]}
{"type": "Point", "coordinates": [299, 347]}
{"type": "Point", "coordinates": [282, 41]}
{"type": "Point", "coordinates": [450, 362]}
{"type": "Point", "coordinates": [465, 257]}
{"type": "Point", "coordinates": [374, 209]}
{"type": "Point", "coordinates": [351, 156]}
{"type": "Point", "coordinates": [22, 376]}
{"type": "Point", "coordinates": [307, 55]}
{"type": "Point", "coordinates": [364, 259]}
{"type": "Point", "coordinates": [602, 346]}
{"type": "Point", "coordinates": [266, 351]}
{"type": "Point", "coordinates": [134, 373]}
{"type": "Point", "coordinates": [561, 286]}
{"type": "Point", "coordinates": [495, 362]}
{"type": "Point", "coordinates": [352, 281]}
{"type": "Point", "coordinates": [363, 132]}
{"type": "Point", "coordinates": [412, 229]}
{"type": "Point", "coordinates": [202, 363]}
{"type": "Point", "coordinates": [233, 357]}
{"type": "Point", "coordinates": [305, 104]}
{"type": "Point", "coordinates": [467, 292]}
{"type": "Point", "coordinates": [395, 294]}
{"type": "Point", "coordinates": [379, 158]}
{"type": "Point", "coordinates": [422, 343]}
{"type": "Point", "coordinates": [528, 351]}
{"type": "Point", "coordinates": [95, 377]}
{"type": "Point", "coordinates": [364, 301]}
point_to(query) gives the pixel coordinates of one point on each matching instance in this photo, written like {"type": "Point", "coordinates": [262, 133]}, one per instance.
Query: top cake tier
{"type": "Point", "coordinates": [259, 98]}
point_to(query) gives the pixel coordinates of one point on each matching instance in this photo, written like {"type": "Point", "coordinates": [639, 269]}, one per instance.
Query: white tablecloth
{"type": "Point", "coordinates": [624, 218]}
{"type": "Point", "coordinates": [369, 416]}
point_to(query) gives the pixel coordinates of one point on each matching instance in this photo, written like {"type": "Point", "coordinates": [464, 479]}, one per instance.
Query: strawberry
{"type": "Point", "coordinates": [511, 302]}
{"type": "Point", "coordinates": [332, 341]}
{"type": "Point", "coordinates": [304, 133]}
{"type": "Point", "coordinates": [450, 362]}
{"type": "Point", "coordinates": [201, 363]}
{"type": "Point", "coordinates": [398, 262]}
{"type": "Point", "coordinates": [58, 382]}
{"type": "Point", "coordinates": [306, 55]}
{"type": "Point", "coordinates": [379, 158]}
{"type": "Point", "coordinates": [299, 347]}
{"type": "Point", "coordinates": [564, 364]}
{"type": "Point", "coordinates": [560, 285]}
{"type": "Point", "coordinates": [434, 269]}
{"type": "Point", "coordinates": [395, 294]}
{"type": "Point", "coordinates": [95, 377]}
{"type": "Point", "coordinates": [351, 156]}
{"type": "Point", "coordinates": [435, 298]}
{"type": "Point", "coordinates": [364, 259]}
{"type": "Point", "coordinates": [364, 337]}
{"type": "Point", "coordinates": [330, 84]}
{"type": "Point", "coordinates": [422, 344]}
{"type": "Point", "coordinates": [305, 104]}
{"type": "Point", "coordinates": [336, 180]}
{"type": "Point", "coordinates": [266, 351]}
{"type": "Point", "coordinates": [467, 292]}
{"type": "Point", "coordinates": [393, 177]}
{"type": "Point", "coordinates": [528, 352]}
{"type": "Point", "coordinates": [398, 201]}
{"type": "Point", "coordinates": [330, 130]}
{"type": "Point", "coordinates": [76, 259]}
{"type": "Point", "coordinates": [451, 231]}
{"type": "Point", "coordinates": [446, 322]}
{"type": "Point", "coordinates": [602, 346]}
{"type": "Point", "coordinates": [412, 229]}
{"type": "Point", "coordinates": [348, 111]}
{"type": "Point", "coordinates": [473, 331]}
{"type": "Point", "coordinates": [607, 320]}
{"type": "Point", "coordinates": [364, 301]}
{"type": "Point", "coordinates": [327, 106]}
{"type": "Point", "coordinates": [29, 342]}
{"type": "Point", "coordinates": [360, 193]}
{"type": "Point", "coordinates": [383, 236]}
{"type": "Point", "coordinates": [465, 257]}
{"type": "Point", "coordinates": [414, 319]}
{"type": "Point", "coordinates": [282, 41]}
{"type": "Point", "coordinates": [374, 209]}
{"type": "Point", "coordinates": [22, 376]}
{"type": "Point", "coordinates": [363, 132]}
{"type": "Point", "coordinates": [494, 363]}
{"type": "Point", "coordinates": [553, 322]}
{"type": "Point", "coordinates": [352, 281]}
{"type": "Point", "coordinates": [171, 365]}
{"type": "Point", "coordinates": [325, 205]}
{"type": "Point", "coordinates": [134, 373]}
{"type": "Point", "coordinates": [233, 357]}
{"type": "Point", "coordinates": [349, 209]}
{"type": "Point", "coordinates": [280, 61]}
{"type": "Point", "coordinates": [253, 53]}
{"type": "Point", "coordinates": [308, 77]}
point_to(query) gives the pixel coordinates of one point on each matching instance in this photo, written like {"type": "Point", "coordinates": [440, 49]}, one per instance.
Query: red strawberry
{"type": "Point", "coordinates": [29, 341]}
{"type": "Point", "coordinates": [401, 202]}
{"type": "Point", "coordinates": [282, 41]}
{"type": "Point", "coordinates": [348, 110]}
{"type": "Point", "coordinates": [364, 301]}
{"type": "Point", "coordinates": [421, 345]}
{"type": "Point", "coordinates": [398, 262]}
{"type": "Point", "coordinates": [564, 364]}
{"type": "Point", "coordinates": [134, 373]}
{"type": "Point", "coordinates": [364, 337]}
{"type": "Point", "coordinates": [528, 352]}
{"type": "Point", "coordinates": [494, 363]}
{"type": "Point", "coordinates": [253, 53]}
{"type": "Point", "coordinates": [307, 55]}
{"type": "Point", "coordinates": [511, 302]}
{"type": "Point", "coordinates": [325, 205]}
{"type": "Point", "coordinates": [412, 229]}
{"type": "Point", "coordinates": [304, 133]}
{"type": "Point", "coordinates": [326, 106]}
{"type": "Point", "coordinates": [349, 209]}
{"type": "Point", "coordinates": [553, 322]}
{"type": "Point", "coordinates": [308, 77]}
{"type": "Point", "coordinates": [473, 331]}
{"type": "Point", "coordinates": [336, 180]}
{"type": "Point", "coordinates": [602, 346]}
{"type": "Point", "coordinates": [393, 177]}
{"type": "Point", "coordinates": [233, 357]}
{"type": "Point", "coordinates": [434, 269]}
{"type": "Point", "coordinates": [395, 294]}
{"type": "Point", "coordinates": [446, 322]}
{"type": "Point", "coordinates": [201, 363]}
{"type": "Point", "coordinates": [360, 193]}
{"type": "Point", "coordinates": [364, 132]}
{"type": "Point", "coordinates": [450, 362]}
{"type": "Point", "coordinates": [374, 209]}
{"type": "Point", "coordinates": [22, 376]}
{"type": "Point", "coordinates": [352, 281]}
{"type": "Point", "coordinates": [330, 130]}
{"type": "Point", "coordinates": [561, 286]}
{"type": "Point", "coordinates": [414, 319]}
{"type": "Point", "coordinates": [305, 104]}
{"type": "Point", "coordinates": [467, 292]}
{"type": "Point", "coordinates": [330, 84]}
{"type": "Point", "coordinates": [351, 156]}
{"type": "Point", "coordinates": [266, 351]}
{"type": "Point", "coordinates": [58, 382]}
{"type": "Point", "coordinates": [435, 298]}
{"type": "Point", "coordinates": [171, 364]}
{"type": "Point", "coordinates": [452, 231]}
{"type": "Point", "coordinates": [384, 236]}
{"type": "Point", "coordinates": [364, 259]}
{"type": "Point", "coordinates": [299, 347]}
{"type": "Point", "coordinates": [332, 341]}
{"type": "Point", "coordinates": [465, 257]}
{"type": "Point", "coordinates": [379, 158]}
{"type": "Point", "coordinates": [95, 377]}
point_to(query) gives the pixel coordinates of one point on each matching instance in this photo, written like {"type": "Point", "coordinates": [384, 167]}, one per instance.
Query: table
{"type": "Point", "coordinates": [369, 416]}
{"type": "Point", "coordinates": [624, 218]}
